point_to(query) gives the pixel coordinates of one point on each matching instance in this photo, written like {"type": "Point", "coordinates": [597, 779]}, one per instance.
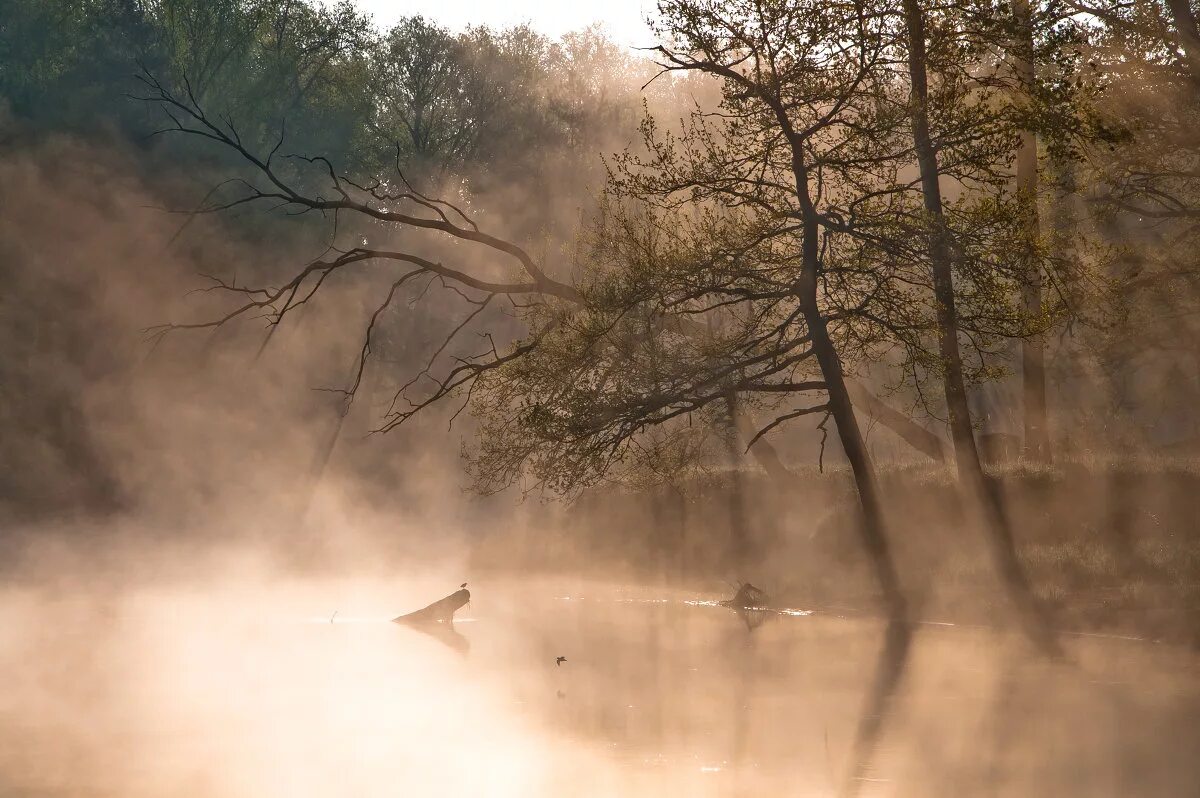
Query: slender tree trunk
{"type": "Point", "coordinates": [871, 525]}
{"type": "Point", "coordinates": [901, 424]}
{"type": "Point", "coordinates": [1033, 347]}
{"type": "Point", "coordinates": [1189, 34]}
{"type": "Point", "coordinates": [762, 450]}
{"type": "Point", "coordinates": [909, 431]}
{"type": "Point", "coordinates": [970, 471]}
{"type": "Point", "coordinates": [961, 430]}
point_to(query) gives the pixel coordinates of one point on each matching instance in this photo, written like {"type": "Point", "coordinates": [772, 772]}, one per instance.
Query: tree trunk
{"type": "Point", "coordinates": [871, 525]}
{"type": "Point", "coordinates": [1189, 35]}
{"type": "Point", "coordinates": [970, 471]}
{"type": "Point", "coordinates": [1033, 347]}
{"type": "Point", "coordinates": [909, 431]}
{"type": "Point", "coordinates": [762, 450]}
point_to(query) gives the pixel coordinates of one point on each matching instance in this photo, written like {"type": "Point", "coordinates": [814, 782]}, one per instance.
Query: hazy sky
{"type": "Point", "coordinates": [623, 18]}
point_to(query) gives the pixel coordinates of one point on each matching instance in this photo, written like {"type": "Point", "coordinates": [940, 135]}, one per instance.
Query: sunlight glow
{"type": "Point", "coordinates": [624, 19]}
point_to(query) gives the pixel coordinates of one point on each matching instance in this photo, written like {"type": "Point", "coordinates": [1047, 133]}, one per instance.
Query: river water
{"type": "Point", "coordinates": [244, 687]}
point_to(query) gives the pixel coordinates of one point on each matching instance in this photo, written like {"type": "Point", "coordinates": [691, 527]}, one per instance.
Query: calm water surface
{"type": "Point", "coordinates": [303, 688]}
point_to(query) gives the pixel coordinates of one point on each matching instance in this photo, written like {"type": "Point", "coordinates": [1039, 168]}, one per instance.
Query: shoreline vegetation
{"type": "Point", "coordinates": [1110, 545]}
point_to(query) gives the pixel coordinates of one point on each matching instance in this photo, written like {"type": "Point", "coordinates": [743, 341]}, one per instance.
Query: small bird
{"type": "Point", "coordinates": [560, 660]}
{"type": "Point", "coordinates": [464, 584]}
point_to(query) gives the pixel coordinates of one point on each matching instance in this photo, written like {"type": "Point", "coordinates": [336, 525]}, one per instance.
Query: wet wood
{"type": "Point", "coordinates": [440, 611]}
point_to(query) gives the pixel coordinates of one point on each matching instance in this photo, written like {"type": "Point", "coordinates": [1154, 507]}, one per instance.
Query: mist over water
{"type": "Point", "coordinates": [250, 682]}
{"type": "Point", "coordinates": [205, 535]}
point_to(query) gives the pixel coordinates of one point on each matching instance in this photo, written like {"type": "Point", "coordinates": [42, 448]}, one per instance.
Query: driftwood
{"type": "Point", "coordinates": [437, 620]}
{"type": "Point", "coordinates": [748, 597]}
{"type": "Point", "coordinates": [440, 611]}
{"type": "Point", "coordinates": [748, 604]}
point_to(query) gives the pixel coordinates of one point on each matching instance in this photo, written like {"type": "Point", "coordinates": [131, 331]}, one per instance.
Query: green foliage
{"type": "Point", "coordinates": [62, 61]}
{"type": "Point", "coordinates": [495, 106]}
{"type": "Point", "coordinates": [70, 64]}
{"type": "Point", "coordinates": [690, 266]}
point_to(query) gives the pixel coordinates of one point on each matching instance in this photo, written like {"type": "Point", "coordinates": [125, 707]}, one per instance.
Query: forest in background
{"type": "Point", "coordinates": [878, 238]}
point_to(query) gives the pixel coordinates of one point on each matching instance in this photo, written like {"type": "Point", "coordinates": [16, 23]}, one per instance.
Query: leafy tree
{"type": "Point", "coordinates": [941, 253]}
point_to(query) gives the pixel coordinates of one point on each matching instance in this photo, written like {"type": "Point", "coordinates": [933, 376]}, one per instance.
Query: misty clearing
{"type": "Point", "coordinates": [800, 399]}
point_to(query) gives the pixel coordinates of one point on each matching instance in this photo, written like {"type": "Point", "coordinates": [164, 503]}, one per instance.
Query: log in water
{"type": "Point", "coordinates": [440, 611]}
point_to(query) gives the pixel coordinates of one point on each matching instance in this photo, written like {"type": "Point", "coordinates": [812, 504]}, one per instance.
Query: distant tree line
{"type": "Point", "coordinates": [790, 199]}
{"type": "Point", "coordinates": [481, 103]}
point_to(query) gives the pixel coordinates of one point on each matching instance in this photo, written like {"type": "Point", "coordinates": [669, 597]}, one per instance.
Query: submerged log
{"type": "Point", "coordinates": [748, 604]}
{"type": "Point", "coordinates": [748, 597]}
{"type": "Point", "coordinates": [440, 611]}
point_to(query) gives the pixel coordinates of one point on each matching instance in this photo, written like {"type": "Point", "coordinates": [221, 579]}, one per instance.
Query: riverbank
{"type": "Point", "coordinates": [1110, 546]}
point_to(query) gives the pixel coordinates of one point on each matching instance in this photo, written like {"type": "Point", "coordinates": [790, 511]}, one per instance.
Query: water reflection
{"type": "Point", "coordinates": [445, 633]}
{"type": "Point", "coordinates": [227, 690]}
{"type": "Point", "coordinates": [437, 620]}
{"type": "Point", "coordinates": [893, 659]}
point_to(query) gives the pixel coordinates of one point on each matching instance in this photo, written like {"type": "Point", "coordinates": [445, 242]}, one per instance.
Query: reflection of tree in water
{"type": "Point", "coordinates": [893, 658]}
{"type": "Point", "coordinates": [751, 604]}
